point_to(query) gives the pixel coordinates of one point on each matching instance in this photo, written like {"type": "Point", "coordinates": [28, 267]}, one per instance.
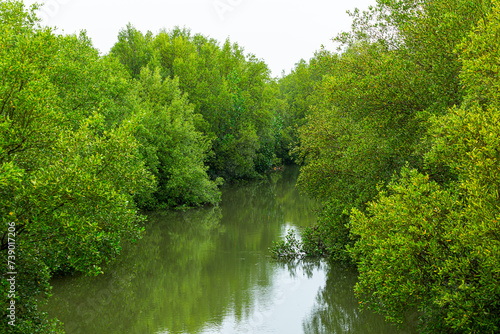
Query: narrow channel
{"type": "Point", "coordinates": [209, 271]}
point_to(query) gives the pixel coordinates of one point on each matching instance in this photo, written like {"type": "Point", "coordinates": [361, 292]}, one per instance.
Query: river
{"type": "Point", "coordinates": [209, 271]}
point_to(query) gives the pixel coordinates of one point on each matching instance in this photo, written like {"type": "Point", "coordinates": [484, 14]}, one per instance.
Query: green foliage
{"type": "Point", "coordinates": [70, 166]}
{"type": "Point", "coordinates": [371, 108]}
{"type": "Point", "coordinates": [32, 291]}
{"type": "Point", "coordinates": [405, 241]}
{"type": "Point", "coordinates": [232, 92]}
{"type": "Point", "coordinates": [134, 50]}
{"type": "Point", "coordinates": [174, 150]}
{"type": "Point", "coordinates": [400, 143]}
{"type": "Point", "coordinates": [479, 57]}
{"type": "Point", "coordinates": [435, 247]}
{"type": "Point", "coordinates": [419, 248]}
{"type": "Point", "coordinates": [425, 34]}
{"type": "Point", "coordinates": [397, 134]}
{"type": "Point", "coordinates": [330, 237]}
{"type": "Point", "coordinates": [86, 138]}
{"type": "Point", "coordinates": [344, 161]}
{"type": "Point", "coordinates": [289, 248]}
{"type": "Point", "coordinates": [299, 92]}
{"type": "Point", "coordinates": [365, 122]}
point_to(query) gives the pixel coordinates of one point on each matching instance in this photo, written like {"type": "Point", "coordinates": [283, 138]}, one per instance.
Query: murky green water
{"type": "Point", "coordinates": [209, 271]}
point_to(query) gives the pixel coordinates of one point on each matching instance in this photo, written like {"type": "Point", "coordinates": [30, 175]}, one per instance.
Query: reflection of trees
{"type": "Point", "coordinates": [191, 268]}
{"type": "Point", "coordinates": [159, 274]}
{"type": "Point", "coordinates": [302, 266]}
{"type": "Point", "coordinates": [336, 310]}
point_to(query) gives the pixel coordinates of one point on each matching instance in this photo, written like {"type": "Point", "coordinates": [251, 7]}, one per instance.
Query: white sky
{"type": "Point", "coordinates": [281, 32]}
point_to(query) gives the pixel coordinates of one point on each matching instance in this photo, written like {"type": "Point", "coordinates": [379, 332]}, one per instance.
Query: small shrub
{"type": "Point", "coordinates": [289, 248]}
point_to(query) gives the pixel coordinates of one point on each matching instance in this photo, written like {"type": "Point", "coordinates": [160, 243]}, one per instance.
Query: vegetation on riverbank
{"type": "Point", "coordinates": [86, 140]}
{"type": "Point", "coordinates": [400, 143]}
{"type": "Point", "coordinates": [397, 135]}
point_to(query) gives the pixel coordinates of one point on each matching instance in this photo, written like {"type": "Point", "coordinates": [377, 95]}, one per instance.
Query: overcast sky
{"type": "Point", "coordinates": [281, 32]}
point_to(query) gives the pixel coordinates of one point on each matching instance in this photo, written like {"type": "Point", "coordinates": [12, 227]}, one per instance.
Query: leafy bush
{"type": "Point", "coordinates": [289, 248]}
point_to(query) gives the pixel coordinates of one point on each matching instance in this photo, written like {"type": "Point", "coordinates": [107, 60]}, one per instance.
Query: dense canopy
{"type": "Point", "coordinates": [397, 134]}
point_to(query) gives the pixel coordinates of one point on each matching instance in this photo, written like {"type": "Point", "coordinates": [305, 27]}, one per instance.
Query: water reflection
{"type": "Point", "coordinates": [208, 271]}
{"type": "Point", "coordinates": [163, 272]}
{"type": "Point", "coordinates": [336, 309]}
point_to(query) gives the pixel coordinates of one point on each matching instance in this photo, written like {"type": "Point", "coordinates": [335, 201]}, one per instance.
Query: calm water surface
{"type": "Point", "coordinates": [209, 271]}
